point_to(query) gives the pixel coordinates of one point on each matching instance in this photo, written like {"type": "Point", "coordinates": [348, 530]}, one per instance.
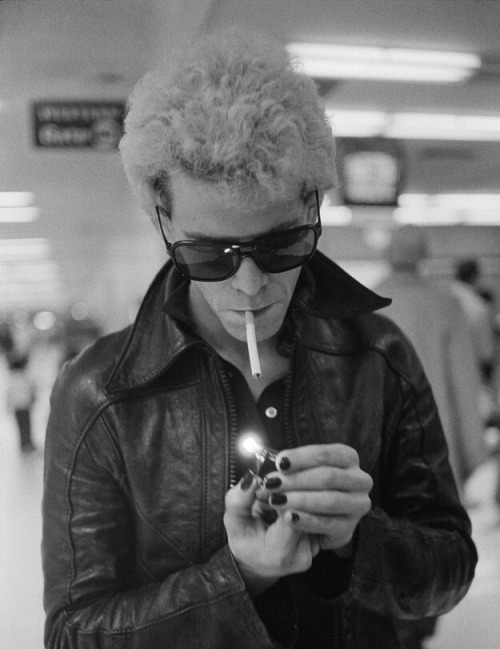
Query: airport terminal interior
{"type": "Point", "coordinates": [416, 146]}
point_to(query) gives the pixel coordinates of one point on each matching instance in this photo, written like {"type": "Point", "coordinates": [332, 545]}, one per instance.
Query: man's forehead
{"type": "Point", "coordinates": [224, 236]}
{"type": "Point", "coordinates": [232, 195]}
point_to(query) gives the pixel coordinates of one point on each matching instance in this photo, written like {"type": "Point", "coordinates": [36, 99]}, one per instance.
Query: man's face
{"type": "Point", "coordinates": [200, 214]}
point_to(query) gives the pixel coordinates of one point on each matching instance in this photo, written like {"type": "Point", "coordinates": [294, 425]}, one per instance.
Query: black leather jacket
{"type": "Point", "coordinates": [139, 458]}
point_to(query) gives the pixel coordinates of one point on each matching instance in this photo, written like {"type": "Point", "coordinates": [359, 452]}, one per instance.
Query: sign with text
{"type": "Point", "coordinates": [95, 125]}
{"type": "Point", "coordinates": [371, 170]}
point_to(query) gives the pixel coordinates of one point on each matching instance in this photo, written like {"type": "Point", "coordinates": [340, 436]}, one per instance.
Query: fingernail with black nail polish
{"type": "Point", "coordinates": [284, 464]}
{"type": "Point", "coordinates": [295, 517]}
{"type": "Point", "coordinates": [272, 483]}
{"type": "Point", "coordinates": [247, 480]}
{"type": "Point", "coordinates": [278, 499]}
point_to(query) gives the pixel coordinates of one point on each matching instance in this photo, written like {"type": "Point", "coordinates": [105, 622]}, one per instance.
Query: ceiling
{"type": "Point", "coordinates": [102, 248]}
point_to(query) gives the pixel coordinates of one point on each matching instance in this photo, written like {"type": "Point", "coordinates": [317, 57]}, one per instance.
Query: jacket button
{"type": "Point", "coordinates": [271, 412]}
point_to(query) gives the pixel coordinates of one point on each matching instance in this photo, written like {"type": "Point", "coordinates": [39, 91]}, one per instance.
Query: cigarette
{"type": "Point", "coordinates": [253, 352]}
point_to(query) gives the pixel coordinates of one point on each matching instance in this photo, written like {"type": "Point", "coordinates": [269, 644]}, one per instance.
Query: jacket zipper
{"type": "Point", "coordinates": [233, 424]}
{"type": "Point", "coordinates": [290, 436]}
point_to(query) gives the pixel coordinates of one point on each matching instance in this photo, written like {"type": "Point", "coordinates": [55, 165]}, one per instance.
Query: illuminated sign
{"type": "Point", "coordinates": [96, 125]}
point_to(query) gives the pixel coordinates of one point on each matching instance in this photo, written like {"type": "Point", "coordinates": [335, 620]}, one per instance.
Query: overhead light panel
{"type": "Point", "coordinates": [16, 199]}
{"type": "Point", "coordinates": [451, 201]}
{"type": "Point", "coordinates": [17, 207]}
{"type": "Point", "coordinates": [17, 250]}
{"type": "Point", "coordinates": [18, 214]}
{"type": "Point", "coordinates": [324, 61]}
{"type": "Point", "coordinates": [418, 126]}
{"type": "Point", "coordinates": [448, 209]}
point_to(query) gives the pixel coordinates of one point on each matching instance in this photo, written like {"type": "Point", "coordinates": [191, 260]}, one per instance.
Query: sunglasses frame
{"type": "Point", "coordinates": [246, 249]}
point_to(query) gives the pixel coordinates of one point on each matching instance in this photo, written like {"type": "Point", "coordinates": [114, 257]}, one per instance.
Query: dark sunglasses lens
{"type": "Point", "coordinates": [205, 261]}
{"type": "Point", "coordinates": [286, 251]}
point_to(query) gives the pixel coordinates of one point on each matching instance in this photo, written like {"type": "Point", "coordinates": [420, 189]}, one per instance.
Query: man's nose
{"type": "Point", "coordinates": [249, 278]}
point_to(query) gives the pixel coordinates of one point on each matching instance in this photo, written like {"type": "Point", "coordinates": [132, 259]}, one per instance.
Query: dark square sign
{"type": "Point", "coordinates": [371, 170]}
{"type": "Point", "coordinates": [96, 125]}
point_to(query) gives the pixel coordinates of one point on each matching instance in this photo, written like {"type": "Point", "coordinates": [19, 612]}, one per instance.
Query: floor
{"type": "Point", "coordinates": [475, 622]}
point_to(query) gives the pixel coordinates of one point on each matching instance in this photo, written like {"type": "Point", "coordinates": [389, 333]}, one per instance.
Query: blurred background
{"type": "Point", "coordinates": [412, 89]}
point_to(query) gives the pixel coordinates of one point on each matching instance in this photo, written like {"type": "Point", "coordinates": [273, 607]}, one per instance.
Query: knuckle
{"type": "Point", "coordinates": [352, 455]}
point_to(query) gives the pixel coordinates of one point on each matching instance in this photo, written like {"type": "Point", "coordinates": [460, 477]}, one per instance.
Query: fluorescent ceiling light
{"type": "Point", "coordinates": [419, 126]}
{"type": "Point", "coordinates": [18, 214]}
{"type": "Point", "coordinates": [448, 209]}
{"type": "Point", "coordinates": [405, 216]}
{"type": "Point", "coordinates": [386, 64]}
{"type": "Point", "coordinates": [24, 249]}
{"type": "Point", "coordinates": [16, 199]}
{"type": "Point", "coordinates": [29, 272]}
{"type": "Point", "coordinates": [451, 201]}
{"type": "Point", "coordinates": [444, 127]}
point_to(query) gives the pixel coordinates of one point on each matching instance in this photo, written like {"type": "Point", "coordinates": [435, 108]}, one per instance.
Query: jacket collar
{"type": "Point", "coordinates": [324, 290]}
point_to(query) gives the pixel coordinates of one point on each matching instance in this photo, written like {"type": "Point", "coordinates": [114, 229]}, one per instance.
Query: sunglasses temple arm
{"type": "Point", "coordinates": [167, 244]}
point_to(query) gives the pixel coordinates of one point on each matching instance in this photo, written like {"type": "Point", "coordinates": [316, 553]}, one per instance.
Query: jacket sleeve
{"type": "Point", "coordinates": [415, 556]}
{"type": "Point", "coordinates": [92, 600]}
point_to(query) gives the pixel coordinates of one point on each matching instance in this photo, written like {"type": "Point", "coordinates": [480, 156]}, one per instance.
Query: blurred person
{"type": "Point", "coordinates": [434, 322]}
{"type": "Point", "coordinates": [21, 396]}
{"type": "Point", "coordinates": [466, 287]}
{"type": "Point", "coordinates": [6, 341]}
{"type": "Point", "coordinates": [436, 325]}
{"type": "Point", "coordinates": [491, 390]}
{"type": "Point", "coordinates": [157, 531]}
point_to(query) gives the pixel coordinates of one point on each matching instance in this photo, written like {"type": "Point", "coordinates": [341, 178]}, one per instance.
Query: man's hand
{"type": "Point", "coordinates": [320, 490]}
{"type": "Point", "coordinates": [263, 553]}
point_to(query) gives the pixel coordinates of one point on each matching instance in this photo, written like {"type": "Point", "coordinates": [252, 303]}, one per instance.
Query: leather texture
{"type": "Point", "coordinates": [138, 462]}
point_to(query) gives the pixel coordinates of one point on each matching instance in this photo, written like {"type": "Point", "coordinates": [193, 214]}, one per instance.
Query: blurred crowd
{"type": "Point", "coordinates": [456, 331]}
{"type": "Point", "coordinates": [31, 351]}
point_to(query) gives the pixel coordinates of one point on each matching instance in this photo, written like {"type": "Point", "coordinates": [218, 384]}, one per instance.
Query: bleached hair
{"type": "Point", "coordinates": [235, 112]}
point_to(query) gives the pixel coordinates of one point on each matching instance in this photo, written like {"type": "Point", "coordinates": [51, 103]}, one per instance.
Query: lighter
{"type": "Point", "coordinates": [265, 457]}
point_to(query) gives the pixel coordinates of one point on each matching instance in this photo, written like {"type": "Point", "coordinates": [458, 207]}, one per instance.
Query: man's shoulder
{"type": "Point", "coordinates": [366, 331]}
{"type": "Point", "coordinates": [87, 374]}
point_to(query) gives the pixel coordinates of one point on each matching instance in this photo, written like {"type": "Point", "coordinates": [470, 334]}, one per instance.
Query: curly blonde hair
{"type": "Point", "coordinates": [235, 111]}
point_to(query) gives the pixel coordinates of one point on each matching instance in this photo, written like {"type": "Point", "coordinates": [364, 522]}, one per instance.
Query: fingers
{"type": "Point", "coordinates": [322, 503]}
{"type": "Point", "coordinates": [330, 531]}
{"type": "Point", "coordinates": [240, 499]}
{"type": "Point", "coordinates": [318, 478]}
{"type": "Point", "coordinates": [303, 457]}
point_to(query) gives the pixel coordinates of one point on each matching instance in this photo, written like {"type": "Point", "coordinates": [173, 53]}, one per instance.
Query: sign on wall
{"type": "Point", "coordinates": [371, 170]}
{"type": "Point", "coordinates": [96, 125]}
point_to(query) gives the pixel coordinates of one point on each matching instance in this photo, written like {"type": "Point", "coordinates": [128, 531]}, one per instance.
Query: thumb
{"type": "Point", "coordinates": [240, 499]}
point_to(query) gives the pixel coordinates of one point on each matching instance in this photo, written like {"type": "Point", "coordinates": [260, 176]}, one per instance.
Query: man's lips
{"type": "Point", "coordinates": [239, 314]}
{"type": "Point", "coordinates": [255, 310]}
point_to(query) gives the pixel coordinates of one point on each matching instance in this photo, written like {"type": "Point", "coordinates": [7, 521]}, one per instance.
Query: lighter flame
{"type": "Point", "coordinates": [251, 445]}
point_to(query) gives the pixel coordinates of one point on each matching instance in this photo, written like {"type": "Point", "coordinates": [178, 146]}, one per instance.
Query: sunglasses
{"type": "Point", "coordinates": [214, 262]}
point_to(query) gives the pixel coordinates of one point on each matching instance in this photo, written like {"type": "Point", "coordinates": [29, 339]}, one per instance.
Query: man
{"type": "Point", "coordinates": [157, 532]}
{"type": "Point", "coordinates": [437, 327]}
{"type": "Point", "coordinates": [466, 288]}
